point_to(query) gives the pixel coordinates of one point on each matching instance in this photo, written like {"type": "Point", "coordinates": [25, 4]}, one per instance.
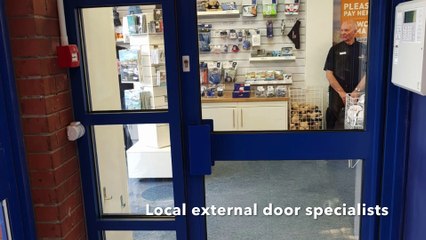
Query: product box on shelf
{"type": "Point", "coordinates": [241, 94]}
{"type": "Point", "coordinates": [129, 65]}
{"type": "Point", "coordinates": [241, 87]}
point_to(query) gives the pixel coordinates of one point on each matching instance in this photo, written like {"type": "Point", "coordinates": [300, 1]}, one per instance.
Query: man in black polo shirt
{"type": "Point", "coordinates": [345, 71]}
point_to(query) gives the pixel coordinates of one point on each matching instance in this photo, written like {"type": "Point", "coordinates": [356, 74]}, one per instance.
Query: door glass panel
{"type": "Point", "coordinates": [124, 57]}
{"type": "Point", "coordinates": [277, 189]}
{"type": "Point", "coordinates": [140, 235]}
{"type": "Point", "coordinates": [134, 167]}
{"type": "Point", "coordinates": [278, 57]}
{"type": "Point", "coordinates": [4, 222]}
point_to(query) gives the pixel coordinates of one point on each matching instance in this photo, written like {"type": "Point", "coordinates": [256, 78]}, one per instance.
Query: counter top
{"type": "Point", "coordinates": [228, 98]}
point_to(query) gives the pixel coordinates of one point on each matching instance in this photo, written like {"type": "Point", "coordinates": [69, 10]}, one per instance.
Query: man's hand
{"type": "Point", "coordinates": [342, 95]}
{"type": "Point", "coordinates": [355, 95]}
{"type": "Point", "coordinates": [335, 85]}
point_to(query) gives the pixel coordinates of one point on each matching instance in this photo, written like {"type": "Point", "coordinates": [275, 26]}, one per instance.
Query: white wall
{"type": "Point", "coordinates": [105, 95]}
{"type": "Point", "coordinates": [319, 36]}
{"type": "Point", "coordinates": [101, 58]}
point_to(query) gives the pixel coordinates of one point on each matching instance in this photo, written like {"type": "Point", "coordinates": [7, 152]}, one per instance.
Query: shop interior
{"type": "Point", "coordinates": [261, 69]}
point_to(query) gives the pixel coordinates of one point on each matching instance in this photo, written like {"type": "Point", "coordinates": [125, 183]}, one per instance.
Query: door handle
{"type": "Point", "coordinates": [200, 154]}
{"type": "Point", "coordinates": [233, 118]}
{"type": "Point", "coordinates": [123, 204]}
{"type": "Point", "coordinates": [242, 118]}
{"type": "Point", "coordinates": [104, 191]}
{"type": "Point", "coordinates": [75, 131]}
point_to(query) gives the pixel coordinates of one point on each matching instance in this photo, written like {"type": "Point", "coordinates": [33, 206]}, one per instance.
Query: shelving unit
{"type": "Point", "coordinates": [213, 14]}
{"type": "Point", "coordinates": [150, 156]}
{"type": "Point", "coordinates": [269, 59]}
{"type": "Point", "coordinates": [254, 113]}
{"type": "Point", "coordinates": [266, 82]}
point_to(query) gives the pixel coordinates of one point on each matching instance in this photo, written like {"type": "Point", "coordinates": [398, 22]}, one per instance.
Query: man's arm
{"type": "Point", "coordinates": [359, 88]}
{"type": "Point", "coordinates": [335, 85]}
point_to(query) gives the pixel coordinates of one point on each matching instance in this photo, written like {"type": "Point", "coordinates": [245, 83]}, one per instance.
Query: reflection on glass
{"type": "Point", "coordinates": [267, 66]}
{"type": "Point", "coordinates": [4, 222]}
{"type": "Point", "coordinates": [134, 167]}
{"type": "Point", "coordinates": [140, 235]}
{"type": "Point", "coordinates": [125, 58]}
{"type": "Point", "coordinates": [286, 185]}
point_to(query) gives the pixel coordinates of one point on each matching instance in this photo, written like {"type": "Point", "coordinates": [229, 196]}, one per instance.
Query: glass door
{"type": "Point", "coordinates": [152, 70]}
{"type": "Point", "coordinates": [294, 89]}
{"type": "Point", "coordinates": [126, 95]}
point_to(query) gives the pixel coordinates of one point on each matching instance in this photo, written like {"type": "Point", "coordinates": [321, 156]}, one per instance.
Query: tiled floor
{"type": "Point", "coordinates": [282, 183]}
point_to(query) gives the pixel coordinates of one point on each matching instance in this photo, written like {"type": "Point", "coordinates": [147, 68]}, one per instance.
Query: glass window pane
{"type": "Point", "coordinates": [124, 57]}
{"type": "Point", "coordinates": [134, 167]}
{"type": "Point", "coordinates": [278, 188]}
{"type": "Point", "coordinates": [140, 235]}
{"type": "Point", "coordinates": [284, 66]}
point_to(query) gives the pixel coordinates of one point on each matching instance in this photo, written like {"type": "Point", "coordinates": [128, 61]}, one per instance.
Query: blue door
{"type": "Point", "coordinates": [152, 168]}
{"type": "Point", "coordinates": [16, 209]}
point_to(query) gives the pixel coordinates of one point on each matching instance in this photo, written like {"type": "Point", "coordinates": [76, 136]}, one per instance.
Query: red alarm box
{"type": "Point", "coordinates": [68, 56]}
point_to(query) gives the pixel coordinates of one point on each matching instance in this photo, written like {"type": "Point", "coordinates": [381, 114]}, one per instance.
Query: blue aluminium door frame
{"type": "Point", "coordinates": [395, 149]}
{"type": "Point", "coordinates": [96, 223]}
{"type": "Point", "coordinates": [367, 145]}
{"type": "Point", "coordinates": [185, 110]}
{"type": "Point", "coordinates": [14, 183]}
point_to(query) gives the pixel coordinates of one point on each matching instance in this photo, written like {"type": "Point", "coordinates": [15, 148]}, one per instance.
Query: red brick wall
{"type": "Point", "coordinates": [45, 99]}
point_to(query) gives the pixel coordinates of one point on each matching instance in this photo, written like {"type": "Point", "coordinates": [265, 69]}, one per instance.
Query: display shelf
{"type": "Point", "coordinates": [208, 14]}
{"type": "Point", "coordinates": [147, 34]}
{"type": "Point", "coordinates": [267, 82]}
{"type": "Point", "coordinates": [129, 82]}
{"type": "Point", "coordinates": [269, 59]}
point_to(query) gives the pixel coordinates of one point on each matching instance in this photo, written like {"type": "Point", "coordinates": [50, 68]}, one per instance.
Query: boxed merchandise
{"type": "Point", "coordinates": [261, 75]}
{"type": "Point", "coordinates": [270, 91]}
{"type": "Point", "coordinates": [129, 65]}
{"type": "Point", "coordinates": [227, 6]}
{"type": "Point", "coordinates": [251, 76]}
{"type": "Point", "coordinates": [241, 90]}
{"type": "Point", "coordinates": [132, 99]}
{"type": "Point", "coordinates": [269, 7]}
{"type": "Point", "coordinates": [279, 75]}
{"type": "Point", "coordinates": [204, 73]}
{"type": "Point", "coordinates": [281, 91]}
{"type": "Point", "coordinates": [291, 7]}
{"type": "Point", "coordinates": [229, 71]}
{"type": "Point", "coordinates": [270, 75]}
{"type": "Point", "coordinates": [161, 78]}
{"type": "Point", "coordinates": [241, 94]}
{"type": "Point", "coordinates": [215, 72]}
{"type": "Point", "coordinates": [288, 78]}
{"type": "Point", "coordinates": [249, 8]}
{"type": "Point", "coordinates": [260, 91]}
{"type": "Point", "coordinates": [241, 87]}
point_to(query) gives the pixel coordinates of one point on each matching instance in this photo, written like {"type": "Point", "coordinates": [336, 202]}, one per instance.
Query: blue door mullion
{"type": "Point", "coordinates": [126, 118]}
{"type": "Point", "coordinates": [291, 146]}
{"type": "Point", "coordinates": [139, 224]}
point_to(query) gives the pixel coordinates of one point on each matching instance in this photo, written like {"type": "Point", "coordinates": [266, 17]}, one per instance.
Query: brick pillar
{"type": "Point", "coordinates": [45, 100]}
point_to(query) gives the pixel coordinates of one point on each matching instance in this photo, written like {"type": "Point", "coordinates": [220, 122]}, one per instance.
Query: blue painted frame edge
{"type": "Point", "coordinates": [22, 192]}
{"type": "Point", "coordinates": [94, 221]}
{"type": "Point", "coordinates": [395, 151]}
